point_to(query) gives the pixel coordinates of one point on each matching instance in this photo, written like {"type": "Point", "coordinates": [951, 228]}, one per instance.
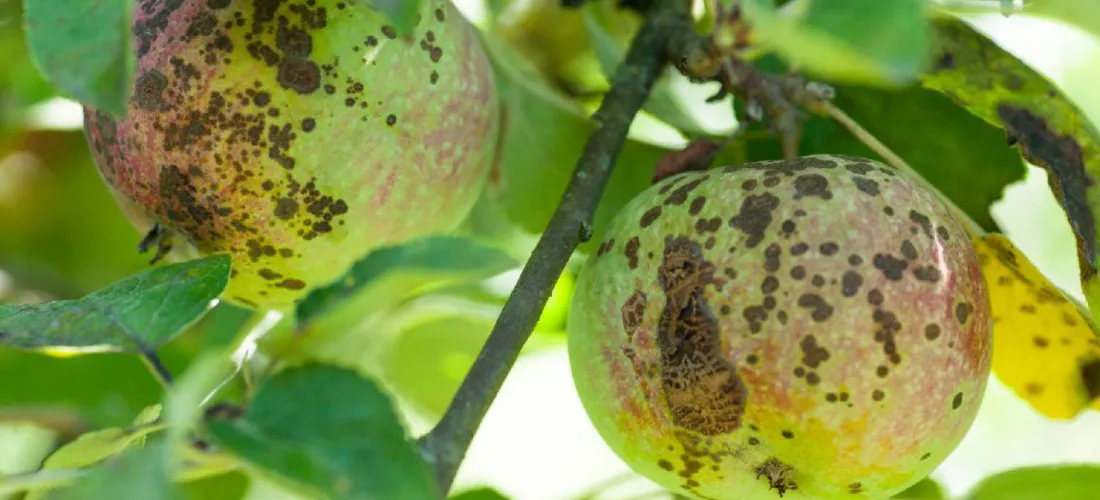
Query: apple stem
{"type": "Point", "coordinates": [658, 40]}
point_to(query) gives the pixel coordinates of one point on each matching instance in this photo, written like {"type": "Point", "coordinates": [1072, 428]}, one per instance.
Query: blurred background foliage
{"type": "Point", "coordinates": [61, 236]}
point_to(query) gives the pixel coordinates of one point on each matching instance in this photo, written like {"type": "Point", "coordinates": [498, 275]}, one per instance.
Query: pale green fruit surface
{"type": "Point", "coordinates": [814, 328]}
{"type": "Point", "coordinates": [297, 135]}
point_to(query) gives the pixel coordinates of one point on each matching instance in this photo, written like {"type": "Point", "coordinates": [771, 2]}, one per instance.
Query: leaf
{"type": "Point", "coordinates": [330, 430]}
{"type": "Point", "coordinates": [96, 446]}
{"type": "Point", "coordinates": [964, 157]}
{"type": "Point", "coordinates": [402, 13]}
{"type": "Point", "coordinates": [1065, 482]}
{"type": "Point", "coordinates": [136, 314]}
{"type": "Point", "coordinates": [885, 43]}
{"type": "Point", "coordinates": [662, 103]}
{"type": "Point", "coordinates": [480, 494]}
{"type": "Point", "coordinates": [433, 349]}
{"type": "Point", "coordinates": [925, 489]}
{"type": "Point", "coordinates": [1045, 345]}
{"type": "Point", "coordinates": [137, 474]}
{"type": "Point", "coordinates": [544, 136]}
{"type": "Point", "coordinates": [84, 48]}
{"type": "Point", "coordinates": [392, 272]}
{"type": "Point", "coordinates": [1049, 129]}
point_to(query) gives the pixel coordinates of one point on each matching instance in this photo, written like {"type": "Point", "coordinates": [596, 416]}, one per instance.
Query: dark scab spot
{"type": "Point", "coordinates": [877, 395]}
{"type": "Point", "coordinates": [962, 312]}
{"type": "Point", "coordinates": [649, 216]}
{"type": "Point", "coordinates": [771, 258]}
{"type": "Point", "coordinates": [261, 99]}
{"type": "Point", "coordinates": [867, 186]}
{"type": "Point", "coordinates": [1041, 342]}
{"type": "Point", "coordinates": [664, 464]}
{"type": "Point", "coordinates": [752, 359]}
{"type": "Point", "coordinates": [788, 434]}
{"type": "Point", "coordinates": [754, 217]}
{"type": "Point", "coordinates": [631, 252]}
{"type": "Point", "coordinates": [770, 285]}
{"type": "Point", "coordinates": [308, 124]}
{"type": "Point", "coordinates": [292, 284]}
{"type": "Point", "coordinates": [818, 281]}
{"type": "Point", "coordinates": [1090, 377]}
{"type": "Point", "coordinates": [286, 208]}
{"type": "Point", "coordinates": [882, 371]}
{"type": "Point", "coordinates": [957, 401]}
{"type": "Point", "coordinates": [1028, 309]}
{"type": "Point", "coordinates": [434, 77]}
{"type": "Point", "coordinates": [813, 378]}
{"type": "Point", "coordinates": [908, 250]}
{"type": "Point", "coordinates": [874, 297]}
{"type": "Point", "coordinates": [436, 54]}
{"type": "Point", "coordinates": [892, 267]}
{"type": "Point", "coordinates": [748, 185]}
{"type": "Point", "coordinates": [300, 75]}
{"type": "Point", "coordinates": [798, 272]}
{"type": "Point", "coordinates": [391, 120]}
{"type": "Point", "coordinates": [932, 331]}
{"type": "Point", "coordinates": [942, 233]}
{"type": "Point", "coordinates": [812, 185]}
{"type": "Point", "coordinates": [855, 260]}
{"type": "Point", "coordinates": [389, 32]}
{"type": "Point", "coordinates": [812, 353]}
{"type": "Point", "coordinates": [439, 15]}
{"type": "Point", "coordinates": [925, 456]}
{"type": "Point", "coordinates": [149, 89]}
{"type": "Point", "coordinates": [294, 42]}
{"type": "Point", "coordinates": [821, 310]}
{"type": "Point", "coordinates": [696, 205]}
{"type": "Point", "coordinates": [217, 4]}
{"type": "Point", "coordinates": [799, 249]}
{"type": "Point", "coordinates": [923, 221]}
{"type": "Point", "coordinates": [788, 227]}
{"type": "Point", "coordinates": [930, 274]}
{"type": "Point", "coordinates": [829, 248]}
{"type": "Point", "coordinates": [850, 283]}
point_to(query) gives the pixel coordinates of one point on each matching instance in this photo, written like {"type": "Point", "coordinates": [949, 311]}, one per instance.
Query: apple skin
{"type": "Point", "coordinates": [297, 135]}
{"type": "Point", "coordinates": [813, 328]}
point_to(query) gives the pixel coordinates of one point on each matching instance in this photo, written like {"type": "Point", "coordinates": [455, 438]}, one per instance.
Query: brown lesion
{"type": "Point", "coordinates": [778, 474]}
{"type": "Point", "coordinates": [701, 387]}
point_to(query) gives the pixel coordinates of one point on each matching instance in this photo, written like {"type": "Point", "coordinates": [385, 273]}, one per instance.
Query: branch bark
{"type": "Point", "coordinates": [444, 447]}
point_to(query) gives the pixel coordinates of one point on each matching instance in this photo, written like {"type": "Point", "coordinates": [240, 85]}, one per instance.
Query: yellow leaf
{"type": "Point", "coordinates": [1045, 344]}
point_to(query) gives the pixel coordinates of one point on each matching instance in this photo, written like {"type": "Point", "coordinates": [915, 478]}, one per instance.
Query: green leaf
{"type": "Point", "coordinates": [925, 489]}
{"type": "Point", "coordinates": [1049, 130]}
{"type": "Point", "coordinates": [480, 494]}
{"type": "Point", "coordinates": [96, 446]}
{"type": "Point", "coordinates": [402, 13]}
{"type": "Point", "coordinates": [544, 136]}
{"type": "Point", "coordinates": [433, 348]}
{"type": "Point", "coordinates": [1069, 482]}
{"type": "Point", "coordinates": [610, 52]}
{"type": "Point", "coordinates": [328, 430]}
{"type": "Point", "coordinates": [136, 314]}
{"type": "Point", "coordinates": [885, 43]}
{"type": "Point", "coordinates": [84, 48]}
{"type": "Point", "coordinates": [391, 273]}
{"type": "Point", "coordinates": [964, 157]}
{"type": "Point", "coordinates": [137, 474]}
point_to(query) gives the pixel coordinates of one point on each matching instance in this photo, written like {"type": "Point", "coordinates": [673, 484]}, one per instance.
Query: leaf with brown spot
{"type": "Point", "coordinates": [402, 13]}
{"type": "Point", "coordinates": [1049, 130]}
{"type": "Point", "coordinates": [1052, 374]}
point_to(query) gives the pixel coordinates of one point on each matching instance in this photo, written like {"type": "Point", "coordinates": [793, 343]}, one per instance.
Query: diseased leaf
{"type": "Point", "coordinates": [1049, 130]}
{"type": "Point", "coordinates": [854, 41]}
{"type": "Point", "coordinates": [391, 273]}
{"type": "Point", "coordinates": [136, 314]}
{"type": "Point", "coordinates": [1064, 482]}
{"type": "Point", "coordinates": [402, 13]}
{"type": "Point", "coordinates": [84, 48]}
{"type": "Point", "coordinates": [1045, 345]}
{"type": "Point", "coordinates": [544, 135]}
{"type": "Point", "coordinates": [330, 431]}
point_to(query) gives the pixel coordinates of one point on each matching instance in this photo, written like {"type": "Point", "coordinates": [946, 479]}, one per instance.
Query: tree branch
{"type": "Point", "coordinates": [445, 445]}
